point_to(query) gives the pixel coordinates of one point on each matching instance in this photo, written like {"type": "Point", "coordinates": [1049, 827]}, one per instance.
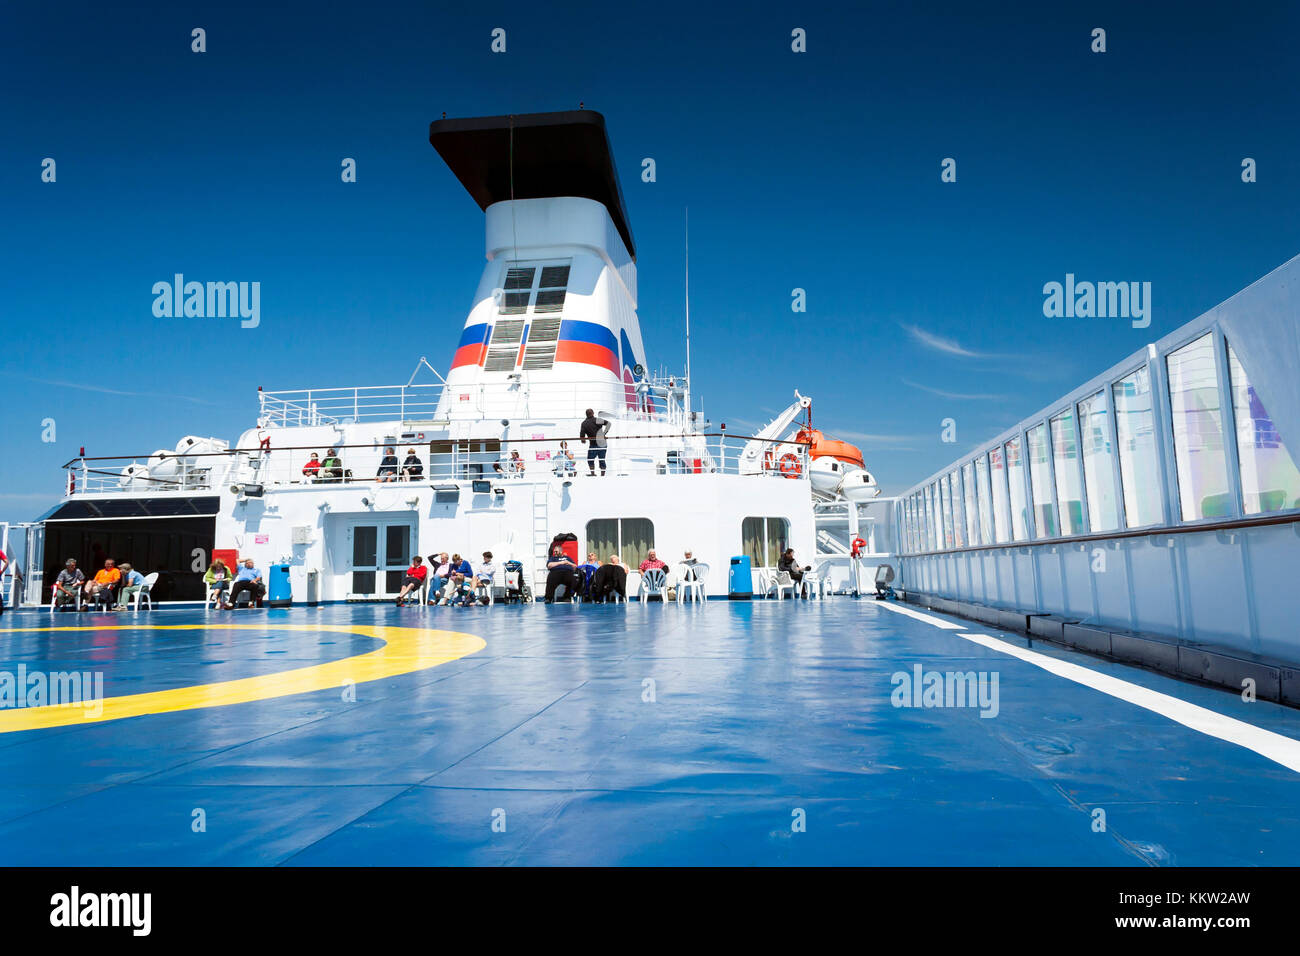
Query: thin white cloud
{"type": "Point", "coordinates": [958, 396]}
{"type": "Point", "coordinates": [938, 343]}
{"type": "Point", "coordinates": [80, 386]}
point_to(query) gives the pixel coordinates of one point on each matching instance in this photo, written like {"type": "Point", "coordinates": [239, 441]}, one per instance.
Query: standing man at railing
{"type": "Point", "coordinates": [4, 566]}
{"type": "Point", "coordinates": [593, 434]}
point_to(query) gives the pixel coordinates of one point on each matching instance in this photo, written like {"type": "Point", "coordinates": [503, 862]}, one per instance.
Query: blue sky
{"type": "Point", "coordinates": [818, 171]}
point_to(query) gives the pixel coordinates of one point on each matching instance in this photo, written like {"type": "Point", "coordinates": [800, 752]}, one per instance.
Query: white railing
{"type": "Point", "coordinates": [207, 473]}
{"type": "Point", "coordinates": [662, 401]}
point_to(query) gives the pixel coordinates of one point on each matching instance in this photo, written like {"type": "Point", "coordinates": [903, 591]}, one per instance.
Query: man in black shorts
{"type": "Point", "coordinates": [593, 432]}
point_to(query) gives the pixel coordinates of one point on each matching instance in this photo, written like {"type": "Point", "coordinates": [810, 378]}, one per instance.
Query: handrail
{"type": "Point", "coordinates": [81, 459]}
{"type": "Point", "coordinates": [1232, 524]}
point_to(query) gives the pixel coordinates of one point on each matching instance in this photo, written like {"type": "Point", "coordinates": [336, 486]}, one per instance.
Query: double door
{"type": "Point", "coordinates": [381, 553]}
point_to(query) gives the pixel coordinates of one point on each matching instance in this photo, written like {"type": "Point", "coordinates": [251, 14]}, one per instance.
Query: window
{"type": "Point", "coordinates": [985, 501]}
{"type": "Point", "coordinates": [968, 490]}
{"type": "Point", "coordinates": [1098, 464]}
{"type": "Point", "coordinates": [1001, 506]}
{"type": "Point", "coordinates": [763, 540]}
{"type": "Point", "coordinates": [958, 511]}
{"type": "Point", "coordinates": [1016, 486]}
{"type": "Point", "coordinates": [938, 517]}
{"type": "Point", "coordinates": [909, 526]}
{"type": "Point", "coordinates": [1139, 471]}
{"type": "Point", "coordinates": [930, 537]}
{"type": "Point", "coordinates": [1198, 431]}
{"type": "Point", "coordinates": [945, 506]}
{"type": "Point", "coordinates": [1040, 482]}
{"type": "Point", "coordinates": [1269, 479]}
{"type": "Point", "coordinates": [1065, 460]}
{"type": "Point", "coordinates": [630, 538]}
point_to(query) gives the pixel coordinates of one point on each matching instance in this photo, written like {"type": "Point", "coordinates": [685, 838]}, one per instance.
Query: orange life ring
{"type": "Point", "coordinates": [790, 466]}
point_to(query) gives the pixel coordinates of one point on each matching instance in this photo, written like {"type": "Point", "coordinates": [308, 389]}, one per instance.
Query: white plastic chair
{"type": "Point", "coordinates": [817, 582]}
{"type": "Point", "coordinates": [54, 598]}
{"type": "Point", "coordinates": [653, 582]}
{"type": "Point", "coordinates": [215, 594]}
{"type": "Point", "coordinates": [149, 581]}
{"type": "Point", "coordinates": [782, 583]}
{"type": "Point", "coordinates": [691, 577]}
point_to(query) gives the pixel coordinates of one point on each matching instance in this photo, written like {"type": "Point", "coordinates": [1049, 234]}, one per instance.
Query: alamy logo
{"type": "Point", "coordinates": [211, 300]}
{"type": "Point", "coordinates": [1102, 300]}
{"type": "Point", "coordinates": [103, 909]}
{"type": "Point", "coordinates": [922, 688]}
{"type": "Point", "coordinates": [26, 688]}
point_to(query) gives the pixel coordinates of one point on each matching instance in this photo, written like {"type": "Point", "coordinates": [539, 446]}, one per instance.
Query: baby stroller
{"type": "Point", "coordinates": [517, 590]}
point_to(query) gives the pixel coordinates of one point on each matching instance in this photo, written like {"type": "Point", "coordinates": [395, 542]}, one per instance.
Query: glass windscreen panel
{"type": "Point", "coordinates": [985, 499]}
{"type": "Point", "coordinates": [1098, 464]}
{"type": "Point", "coordinates": [1016, 487]}
{"type": "Point", "coordinates": [1065, 463]}
{"type": "Point", "coordinates": [1001, 504]}
{"type": "Point", "coordinates": [1040, 482]}
{"type": "Point", "coordinates": [1269, 478]}
{"type": "Point", "coordinates": [1197, 419]}
{"type": "Point", "coordinates": [1138, 466]}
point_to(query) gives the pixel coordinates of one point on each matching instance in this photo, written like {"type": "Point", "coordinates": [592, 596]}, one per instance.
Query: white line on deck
{"type": "Point", "coordinates": [1275, 747]}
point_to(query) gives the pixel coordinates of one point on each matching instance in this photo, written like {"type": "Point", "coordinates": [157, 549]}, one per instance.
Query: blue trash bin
{"type": "Point", "coordinates": [279, 594]}
{"type": "Point", "coordinates": [740, 584]}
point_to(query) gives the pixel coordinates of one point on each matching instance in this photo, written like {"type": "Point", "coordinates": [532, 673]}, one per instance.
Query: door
{"type": "Point", "coordinates": [381, 553]}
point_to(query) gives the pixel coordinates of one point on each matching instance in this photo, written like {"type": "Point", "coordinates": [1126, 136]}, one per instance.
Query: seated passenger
{"type": "Point", "coordinates": [485, 575]}
{"type": "Point", "coordinates": [517, 464]}
{"type": "Point", "coordinates": [588, 569]}
{"type": "Point", "coordinates": [560, 571]}
{"type": "Point", "coordinates": [68, 583]}
{"type": "Point", "coordinates": [651, 562]}
{"type": "Point", "coordinates": [248, 579]}
{"type": "Point", "coordinates": [564, 463]}
{"type": "Point", "coordinates": [102, 588]}
{"type": "Point", "coordinates": [688, 562]}
{"type": "Point", "coordinates": [332, 466]}
{"type": "Point", "coordinates": [609, 579]}
{"type": "Point", "coordinates": [414, 579]}
{"type": "Point", "coordinates": [218, 578]}
{"type": "Point", "coordinates": [312, 468]}
{"type": "Point", "coordinates": [496, 466]}
{"type": "Point", "coordinates": [441, 575]}
{"type": "Point", "coordinates": [387, 467]}
{"type": "Point", "coordinates": [412, 468]}
{"type": "Point", "coordinates": [787, 563]}
{"type": "Point", "coordinates": [132, 582]}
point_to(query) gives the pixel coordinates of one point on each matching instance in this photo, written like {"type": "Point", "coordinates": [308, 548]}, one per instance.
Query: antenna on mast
{"type": "Point", "coordinates": [688, 312]}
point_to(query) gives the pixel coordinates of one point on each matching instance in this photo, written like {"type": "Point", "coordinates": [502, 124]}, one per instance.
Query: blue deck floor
{"type": "Point", "coordinates": [760, 710]}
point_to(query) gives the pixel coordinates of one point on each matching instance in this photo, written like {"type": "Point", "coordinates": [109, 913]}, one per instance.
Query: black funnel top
{"type": "Point", "coordinates": [555, 154]}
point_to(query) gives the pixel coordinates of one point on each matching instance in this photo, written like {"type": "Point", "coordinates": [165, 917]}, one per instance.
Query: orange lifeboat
{"type": "Point", "coordinates": [823, 447]}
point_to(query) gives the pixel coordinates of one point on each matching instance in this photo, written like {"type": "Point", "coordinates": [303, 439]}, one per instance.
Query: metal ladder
{"type": "Point", "coordinates": [541, 534]}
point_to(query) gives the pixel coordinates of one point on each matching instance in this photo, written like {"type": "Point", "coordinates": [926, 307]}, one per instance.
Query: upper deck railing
{"type": "Point", "coordinates": [661, 400]}
{"type": "Point", "coordinates": [490, 459]}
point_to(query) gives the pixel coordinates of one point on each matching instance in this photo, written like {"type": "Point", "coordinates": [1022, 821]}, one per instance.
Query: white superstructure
{"type": "Point", "coordinates": [552, 331]}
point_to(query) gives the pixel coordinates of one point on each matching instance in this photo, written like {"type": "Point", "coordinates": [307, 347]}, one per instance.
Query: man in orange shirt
{"type": "Point", "coordinates": [103, 586]}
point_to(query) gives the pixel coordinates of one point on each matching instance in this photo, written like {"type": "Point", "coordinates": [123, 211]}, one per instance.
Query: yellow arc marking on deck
{"type": "Point", "coordinates": [405, 650]}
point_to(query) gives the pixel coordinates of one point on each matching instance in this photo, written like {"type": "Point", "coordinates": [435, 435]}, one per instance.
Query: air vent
{"type": "Point", "coordinates": [544, 330]}
{"type": "Point", "coordinates": [520, 278]}
{"type": "Point", "coordinates": [514, 303]}
{"type": "Point", "coordinates": [554, 277]}
{"type": "Point", "coordinates": [508, 332]}
{"type": "Point", "coordinates": [539, 356]}
{"type": "Point", "coordinates": [501, 360]}
{"type": "Point", "coordinates": [550, 300]}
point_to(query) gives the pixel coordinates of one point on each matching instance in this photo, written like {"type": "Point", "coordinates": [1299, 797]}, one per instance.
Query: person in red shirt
{"type": "Point", "coordinates": [414, 579]}
{"type": "Point", "coordinates": [312, 468]}
{"type": "Point", "coordinates": [651, 562]}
